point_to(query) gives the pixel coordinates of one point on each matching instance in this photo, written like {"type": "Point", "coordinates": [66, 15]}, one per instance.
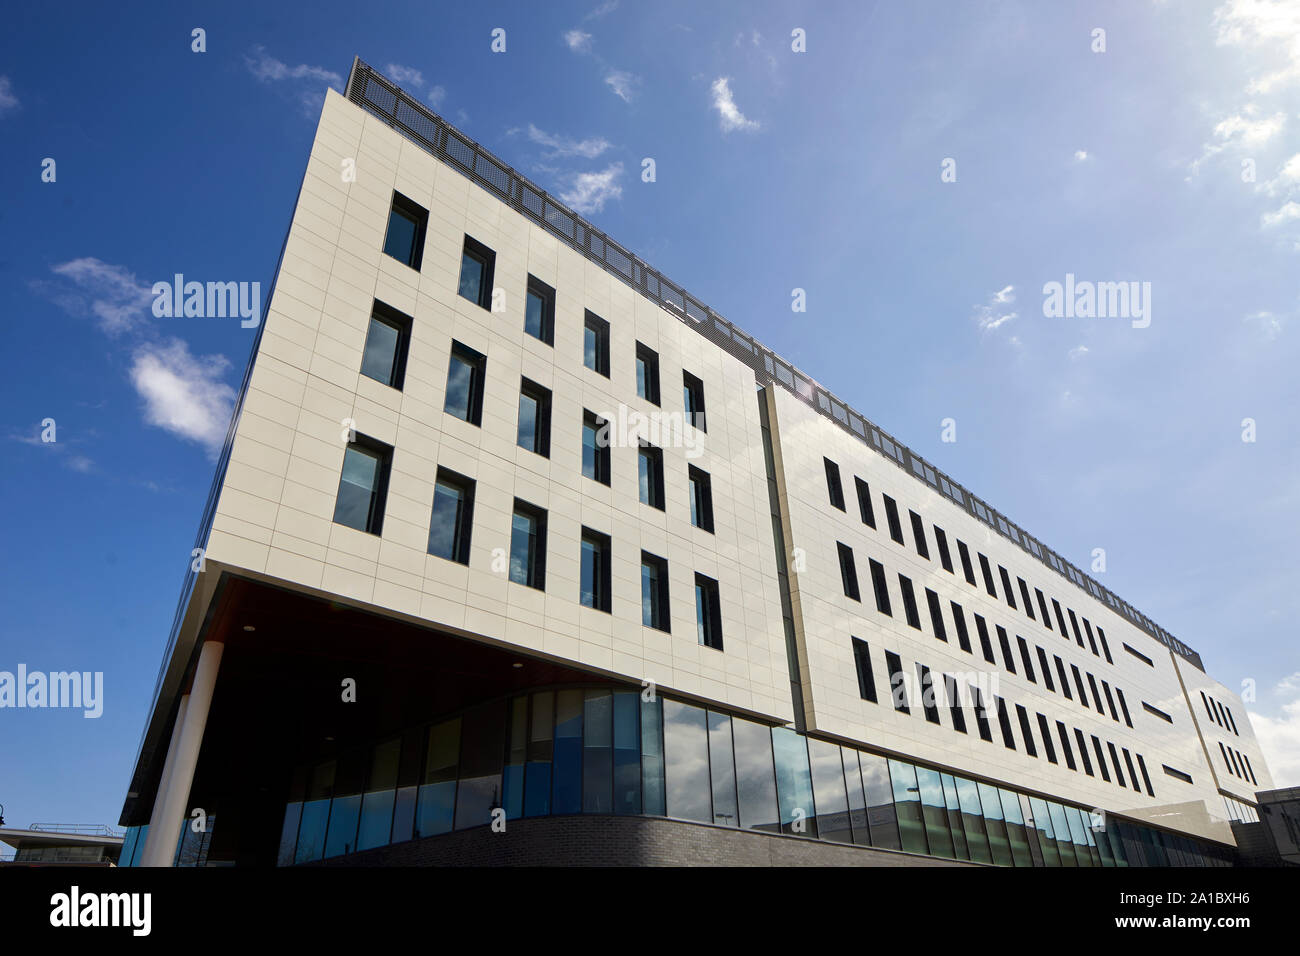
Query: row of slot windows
{"type": "Point", "coordinates": [389, 335]}
{"type": "Point", "coordinates": [363, 487]}
{"type": "Point", "coordinates": [880, 585]}
{"type": "Point", "coordinates": [954, 695]}
{"type": "Point", "coordinates": [1238, 763]}
{"type": "Point", "coordinates": [867, 512]}
{"type": "Point", "coordinates": [1219, 713]}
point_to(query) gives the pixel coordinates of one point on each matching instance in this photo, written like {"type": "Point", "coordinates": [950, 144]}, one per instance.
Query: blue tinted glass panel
{"type": "Point", "coordinates": [686, 762]}
{"type": "Point", "coordinates": [794, 782]}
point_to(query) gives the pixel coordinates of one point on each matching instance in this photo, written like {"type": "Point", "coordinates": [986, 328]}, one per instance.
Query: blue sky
{"type": "Point", "coordinates": [1171, 158]}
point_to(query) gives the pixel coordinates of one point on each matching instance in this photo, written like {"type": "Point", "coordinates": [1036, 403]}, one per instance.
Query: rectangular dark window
{"type": "Point", "coordinates": [1004, 721]}
{"type": "Point", "coordinates": [477, 264]}
{"type": "Point", "coordinates": [862, 661]}
{"type": "Point", "coordinates": [988, 576]}
{"type": "Point", "coordinates": [1083, 752]}
{"type": "Point", "coordinates": [1025, 659]}
{"type": "Point", "coordinates": [465, 373]}
{"type": "Point", "coordinates": [1157, 712]}
{"type": "Point", "coordinates": [701, 493]}
{"type": "Point", "coordinates": [407, 221]}
{"type": "Point", "coordinates": [1005, 644]}
{"type": "Point", "coordinates": [1065, 681]}
{"type": "Point", "coordinates": [1146, 777]}
{"type": "Point", "coordinates": [1246, 761]}
{"type": "Point", "coordinates": [1078, 682]}
{"type": "Point", "coordinates": [1223, 718]}
{"type": "Point", "coordinates": [1042, 607]}
{"type": "Point", "coordinates": [539, 311]}
{"type": "Point", "coordinates": [897, 683]}
{"type": "Point", "coordinates": [952, 691]}
{"type": "Point", "coordinates": [1006, 587]}
{"type": "Point", "coordinates": [1114, 762]}
{"type": "Point", "coordinates": [880, 587]}
{"type": "Point", "coordinates": [927, 694]}
{"type": "Point", "coordinates": [594, 573]}
{"type": "Point", "coordinates": [945, 558]}
{"type": "Point", "coordinates": [1184, 777]}
{"type": "Point", "coordinates": [1066, 749]}
{"type": "Point", "coordinates": [595, 448]}
{"type": "Point", "coordinates": [981, 715]}
{"type": "Point", "coordinates": [1024, 597]}
{"type": "Point", "coordinates": [936, 615]}
{"type": "Point", "coordinates": [363, 485]}
{"type": "Point", "coordinates": [967, 571]}
{"type": "Point", "coordinates": [1101, 759]}
{"type": "Point", "coordinates": [1226, 761]}
{"type": "Point", "coordinates": [387, 340]}
{"type": "Point", "coordinates": [1105, 648]}
{"type": "Point", "coordinates": [891, 512]}
{"type": "Point", "coordinates": [1074, 623]}
{"type": "Point", "coordinates": [1044, 669]}
{"type": "Point", "coordinates": [1227, 712]}
{"type": "Point", "coordinates": [1092, 641]}
{"type": "Point", "coordinates": [986, 646]}
{"type": "Point", "coordinates": [595, 343]}
{"type": "Point", "coordinates": [1096, 698]}
{"type": "Point", "coordinates": [1132, 774]}
{"type": "Point", "coordinates": [654, 591]}
{"type": "Point", "coordinates": [918, 533]}
{"type": "Point", "coordinates": [708, 612]}
{"type": "Point", "coordinates": [1046, 731]}
{"type": "Point", "coordinates": [534, 431]}
{"type": "Point", "coordinates": [693, 400]}
{"type": "Point", "coordinates": [647, 373]}
{"type": "Point", "coordinates": [959, 619]}
{"type": "Point", "coordinates": [1110, 701]}
{"type": "Point", "coordinates": [864, 502]}
{"type": "Point", "coordinates": [453, 516]}
{"type": "Point", "coordinates": [849, 572]}
{"type": "Point", "coordinates": [909, 602]}
{"type": "Point", "coordinates": [1026, 731]}
{"type": "Point", "coordinates": [1208, 709]}
{"type": "Point", "coordinates": [1060, 619]}
{"type": "Point", "coordinates": [528, 545]}
{"type": "Point", "coordinates": [833, 487]}
{"type": "Point", "coordinates": [650, 475]}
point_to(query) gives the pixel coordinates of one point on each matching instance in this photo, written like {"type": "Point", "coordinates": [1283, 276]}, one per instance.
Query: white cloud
{"type": "Point", "coordinates": [1247, 130]}
{"type": "Point", "coordinates": [306, 82]}
{"type": "Point", "coordinates": [1251, 24]}
{"type": "Point", "coordinates": [563, 146]}
{"type": "Point", "coordinates": [588, 192]}
{"type": "Point", "coordinates": [8, 100]}
{"type": "Point", "coordinates": [609, 6]}
{"type": "Point", "coordinates": [729, 116]}
{"type": "Point", "coordinates": [183, 394]}
{"type": "Point", "coordinates": [1080, 155]}
{"type": "Point", "coordinates": [1279, 739]}
{"type": "Point", "coordinates": [1270, 327]}
{"type": "Point", "coordinates": [436, 95]}
{"type": "Point", "coordinates": [1289, 210]}
{"type": "Point", "coordinates": [60, 449]}
{"type": "Point", "coordinates": [407, 77]}
{"type": "Point", "coordinates": [992, 315]}
{"type": "Point", "coordinates": [1078, 352]}
{"type": "Point", "coordinates": [621, 83]}
{"type": "Point", "coordinates": [116, 296]}
{"type": "Point", "coordinates": [1287, 179]}
{"type": "Point", "coordinates": [577, 41]}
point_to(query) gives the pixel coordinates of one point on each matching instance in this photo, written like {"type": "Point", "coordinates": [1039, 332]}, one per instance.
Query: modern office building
{"type": "Point", "coordinates": [518, 552]}
{"type": "Point", "coordinates": [61, 844]}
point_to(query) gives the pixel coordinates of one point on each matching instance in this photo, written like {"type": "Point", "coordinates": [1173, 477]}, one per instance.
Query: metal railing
{"type": "Point", "coordinates": [385, 100]}
{"type": "Point", "coordinates": [82, 829]}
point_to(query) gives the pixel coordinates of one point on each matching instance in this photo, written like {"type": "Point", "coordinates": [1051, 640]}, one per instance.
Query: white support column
{"type": "Point", "coordinates": [169, 764]}
{"type": "Point", "coordinates": [173, 792]}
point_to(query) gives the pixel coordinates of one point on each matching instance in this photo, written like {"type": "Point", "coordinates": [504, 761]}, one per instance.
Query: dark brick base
{"type": "Point", "coordinates": [623, 841]}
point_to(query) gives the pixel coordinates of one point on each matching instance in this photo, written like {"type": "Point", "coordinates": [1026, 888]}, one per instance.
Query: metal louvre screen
{"type": "Point", "coordinates": [380, 97]}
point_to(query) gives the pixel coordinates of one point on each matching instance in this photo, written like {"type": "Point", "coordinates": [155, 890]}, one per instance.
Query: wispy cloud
{"type": "Point", "coordinates": [8, 99]}
{"type": "Point", "coordinates": [412, 80]}
{"type": "Point", "coordinates": [1279, 738]}
{"type": "Point", "coordinates": [111, 292]}
{"type": "Point", "coordinates": [730, 118]}
{"type": "Point", "coordinates": [577, 41]}
{"type": "Point", "coordinates": [606, 8]}
{"type": "Point", "coordinates": [996, 312]}
{"type": "Point", "coordinates": [1288, 211]}
{"type": "Point", "coordinates": [1080, 155]}
{"type": "Point", "coordinates": [588, 192]}
{"type": "Point", "coordinates": [621, 82]}
{"type": "Point", "coordinates": [1269, 324]}
{"type": "Point", "coordinates": [1078, 352]}
{"type": "Point", "coordinates": [183, 394]}
{"type": "Point", "coordinates": [306, 83]}
{"type": "Point", "coordinates": [62, 449]}
{"type": "Point", "coordinates": [1262, 25]}
{"type": "Point", "coordinates": [563, 146]}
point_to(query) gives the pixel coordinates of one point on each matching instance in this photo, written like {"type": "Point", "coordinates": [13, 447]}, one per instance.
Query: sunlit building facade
{"type": "Point", "coordinates": [520, 553]}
